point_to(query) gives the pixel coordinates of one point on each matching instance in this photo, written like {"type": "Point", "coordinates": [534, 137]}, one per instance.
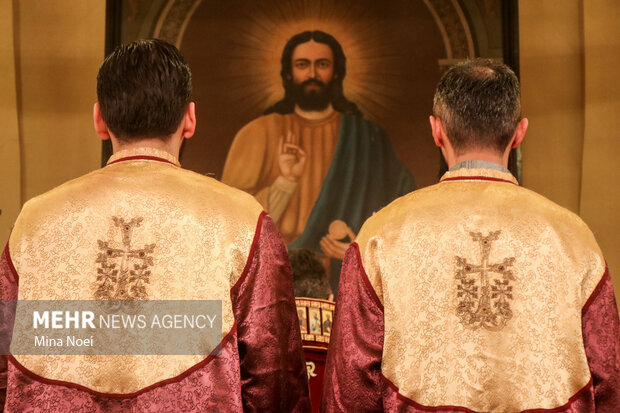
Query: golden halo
{"type": "Point", "coordinates": [377, 64]}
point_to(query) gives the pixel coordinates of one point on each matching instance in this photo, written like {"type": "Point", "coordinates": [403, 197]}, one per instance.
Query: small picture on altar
{"type": "Point", "coordinates": [303, 320]}
{"type": "Point", "coordinates": [314, 314]}
{"type": "Point", "coordinates": [327, 322]}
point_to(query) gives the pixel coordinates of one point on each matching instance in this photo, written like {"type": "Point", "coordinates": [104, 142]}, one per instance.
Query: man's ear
{"type": "Point", "coordinates": [519, 134]}
{"type": "Point", "coordinates": [441, 140]}
{"type": "Point", "coordinates": [189, 121]}
{"type": "Point", "coordinates": [437, 131]}
{"type": "Point", "coordinates": [101, 129]}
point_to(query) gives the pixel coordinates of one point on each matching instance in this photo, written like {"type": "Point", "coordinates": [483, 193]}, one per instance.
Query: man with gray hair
{"type": "Point", "coordinates": [474, 294]}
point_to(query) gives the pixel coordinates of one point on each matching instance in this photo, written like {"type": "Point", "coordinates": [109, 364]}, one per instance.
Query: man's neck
{"type": "Point", "coordinates": [315, 114]}
{"type": "Point", "coordinates": [478, 164]}
{"type": "Point", "coordinates": [487, 156]}
{"type": "Point", "coordinates": [155, 143]}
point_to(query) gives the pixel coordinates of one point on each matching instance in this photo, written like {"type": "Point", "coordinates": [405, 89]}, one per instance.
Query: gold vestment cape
{"type": "Point", "coordinates": [483, 284]}
{"type": "Point", "coordinates": [199, 241]}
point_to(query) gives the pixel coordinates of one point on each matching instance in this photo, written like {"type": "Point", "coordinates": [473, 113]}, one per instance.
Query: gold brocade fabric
{"type": "Point", "coordinates": [483, 283]}
{"type": "Point", "coordinates": [252, 163]}
{"type": "Point", "coordinates": [191, 233]}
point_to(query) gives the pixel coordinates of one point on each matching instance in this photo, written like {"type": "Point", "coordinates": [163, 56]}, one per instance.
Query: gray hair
{"type": "Point", "coordinates": [478, 102]}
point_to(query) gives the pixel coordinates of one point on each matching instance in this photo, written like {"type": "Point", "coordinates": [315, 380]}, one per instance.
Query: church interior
{"type": "Point", "coordinates": [566, 54]}
{"type": "Point", "coordinates": [567, 51]}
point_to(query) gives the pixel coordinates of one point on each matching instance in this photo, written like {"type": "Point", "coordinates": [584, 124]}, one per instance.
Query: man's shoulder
{"type": "Point", "coordinates": [55, 202]}
{"type": "Point", "coordinates": [436, 203]}
{"type": "Point", "coordinates": [192, 192]}
{"type": "Point", "coordinates": [72, 186]}
{"type": "Point", "coordinates": [560, 219]}
{"type": "Point", "coordinates": [217, 191]}
{"type": "Point", "coordinates": [392, 215]}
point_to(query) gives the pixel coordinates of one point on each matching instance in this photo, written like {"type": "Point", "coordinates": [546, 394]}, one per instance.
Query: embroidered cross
{"type": "Point", "coordinates": [123, 272]}
{"type": "Point", "coordinates": [483, 298]}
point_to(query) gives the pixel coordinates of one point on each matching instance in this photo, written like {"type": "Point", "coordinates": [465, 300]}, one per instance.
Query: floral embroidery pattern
{"type": "Point", "coordinates": [123, 272]}
{"type": "Point", "coordinates": [484, 299]}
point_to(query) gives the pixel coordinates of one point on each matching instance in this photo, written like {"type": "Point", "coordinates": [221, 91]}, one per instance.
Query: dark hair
{"type": "Point", "coordinates": [309, 277]}
{"type": "Point", "coordinates": [143, 89]}
{"type": "Point", "coordinates": [339, 102]}
{"type": "Point", "coordinates": [478, 102]}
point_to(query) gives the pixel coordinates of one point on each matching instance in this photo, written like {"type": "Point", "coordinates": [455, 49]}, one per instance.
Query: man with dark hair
{"type": "Point", "coordinates": [475, 294]}
{"type": "Point", "coordinates": [309, 277]}
{"type": "Point", "coordinates": [143, 228]}
{"type": "Point", "coordinates": [313, 160]}
{"type": "Point", "coordinates": [144, 89]}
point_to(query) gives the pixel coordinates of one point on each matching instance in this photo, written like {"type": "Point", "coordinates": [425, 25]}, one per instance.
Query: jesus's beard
{"type": "Point", "coordinates": [313, 100]}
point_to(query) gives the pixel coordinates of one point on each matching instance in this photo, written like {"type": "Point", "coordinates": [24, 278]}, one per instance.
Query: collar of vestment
{"type": "Point", "coordinates": [143, 153]}
{"type": "Point", "coordinates": [478, 171]}
{"type": "Point", "coordinates": [477, 164]}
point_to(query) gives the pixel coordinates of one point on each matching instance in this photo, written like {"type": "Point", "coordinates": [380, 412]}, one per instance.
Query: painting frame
{"type": "Point", "coordinates": [510, 51]}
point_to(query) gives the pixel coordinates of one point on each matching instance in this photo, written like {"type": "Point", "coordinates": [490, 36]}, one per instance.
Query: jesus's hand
{"type": "Point", "coordinates": [334, 243]}
{"type": "Point", "coordinates": [292, 159]}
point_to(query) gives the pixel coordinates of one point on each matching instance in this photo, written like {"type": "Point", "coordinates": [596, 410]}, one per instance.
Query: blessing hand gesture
{"type": "Point", "coordinates": [292, 159]}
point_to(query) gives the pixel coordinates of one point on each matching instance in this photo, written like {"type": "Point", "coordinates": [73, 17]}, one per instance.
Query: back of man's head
{"type": "Point", "coordinates": [143, 89]}
{"type": "Point", "coordinates": [309, 276]}
{"type": "Point", "coordinates": [478, 102]}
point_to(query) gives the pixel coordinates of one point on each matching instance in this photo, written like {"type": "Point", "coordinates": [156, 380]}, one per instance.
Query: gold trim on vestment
{"type": "Point", "coordinates": [143, 151]}
{"type": "Point", "coordinates": [482, 173]}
